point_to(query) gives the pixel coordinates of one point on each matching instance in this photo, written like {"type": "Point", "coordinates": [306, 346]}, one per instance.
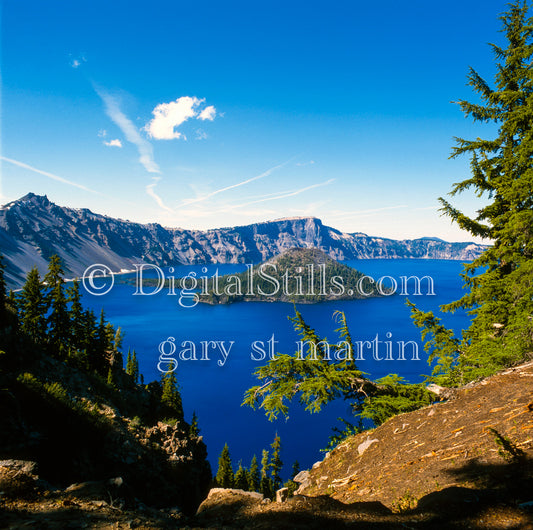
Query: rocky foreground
{"type": "Point", "coordinates": [463, 463]}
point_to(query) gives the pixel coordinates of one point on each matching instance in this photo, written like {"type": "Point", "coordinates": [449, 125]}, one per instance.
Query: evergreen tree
{"type": "Point", "coordinates": [33, 308]}
{"type": "Point", "coordinates": [225, 477]}
{"type": "Point", "coordinates": [3, 288]}
{"type": "Point", "coordinates": [290, 484]}
{"type": "Point", "coordinates": [134, 367]}
{"type": "Point", "coordinates": [58, 318]}
{"type": "Point", "coordinates": [500, 281]}
{"type": "Point", "coordinates": [266, 486]}
{"type": "Point", "coordinates": [77, 319]}
{"type": "Point", "coordinates": [102, 345]}
{"type": "Point", "coordinates": [241, 478]}
{"type": "Point", "coordinates": [171, 398]}
{"type": "Point", "coordinates": [254, 481]}
{"type": "Point", "coordinates": [89, 343]}
{"type": "Point", "coordinates": [110, 378]}
{"type": "Point", "coordinates": [194, 429]}
{"type": "Point", "coordinates": [128, 362]}
{"type": "Point", "coordinates": [323, 376]}
{"type": "Point", "coordinates": [275, 463]}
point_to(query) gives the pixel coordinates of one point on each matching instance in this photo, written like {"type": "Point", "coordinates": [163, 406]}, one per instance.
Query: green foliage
{"type": "Point", "coordinates": [265, 484]}
{"type": "Point", "coordinates": [339, 435]}
{"type": "Point", "coordinates": [171, 397]}
{"type": "Point", "coordinates": [507, 449]}
{"type": "Point", "coordinates": [56, 305]}
{"type": "Point", "coordinates": [194, 429]}
{"type": "Point", "coordinates": [241, 478]}
{"type": "Point", "coordinates": [276, 463]}
{"type": "Point", "coordinates": [254, 480]}
{"type": "Point", "coordinates": [500, 282]}
{"type": "Point", "coordinates": [290, 484]}
{"type": "Point", "coordinates": [302, 276]}
{"type": "Point", "coordinates": [327, 373]}
{"type": "Point", "coordinates": [3, 287]}
{"type": "Point", "coordinates": [225, 477]}
{"type": "Point", "coordinates": [392, 397]}
{"type": "Point", "coordinates": [32, 305]}
{"type": "Point", "coordinates": [319, 377]}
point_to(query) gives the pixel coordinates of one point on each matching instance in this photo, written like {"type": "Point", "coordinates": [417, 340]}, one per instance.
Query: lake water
{"type": "Point", "coordinates": [216, 392]}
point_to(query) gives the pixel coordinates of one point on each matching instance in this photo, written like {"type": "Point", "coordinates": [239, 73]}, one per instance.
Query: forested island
{"type": "Point", "coordinates": [300, 275]}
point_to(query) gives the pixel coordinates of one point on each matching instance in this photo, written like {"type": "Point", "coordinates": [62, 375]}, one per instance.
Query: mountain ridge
{"type": "Point", "coordinates": [33, 228]}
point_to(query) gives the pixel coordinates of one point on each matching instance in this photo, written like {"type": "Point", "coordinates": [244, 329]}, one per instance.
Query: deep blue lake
{"type": "Point", "coordinates": [216, 392]}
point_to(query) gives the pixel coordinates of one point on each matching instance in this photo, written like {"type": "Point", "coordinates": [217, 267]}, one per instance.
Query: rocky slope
{"type": "Point", "coordinates": [463, 463]}
{"type": "Point", "coordinates": [33, 228]}
{"type": "Point", "coordinates": [70, 426]}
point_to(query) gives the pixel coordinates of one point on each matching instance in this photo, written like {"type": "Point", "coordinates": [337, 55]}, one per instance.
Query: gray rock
{"type": "Point", "coordinates": [232, 491]}
{"type": "Point", "coordinates": [302, 476]}
{"type": "Point", "coordinates": [282, 495]}
{"type": "Point", "coordinates": [365, 445]}
{"type": "Point", "coordinates": [25, 466]}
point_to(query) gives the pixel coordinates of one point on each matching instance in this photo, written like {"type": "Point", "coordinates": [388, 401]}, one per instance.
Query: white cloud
{"type": "Point", "coordinates": [169, 116]}
{"type": "Point", "coordinates": [46, 174]}
{"type": "Point", "coordinates": [102, 133]}
{"type": "Point", "coordinates": [285, 194]}
{"type": "Point", "coordinates": [247, 181]}
{"type": "Point", "coordinates": [146, 154]}
{"type": "Point", "coordinates": [150, 191]}
{"type": "Point", "coordinates": [114, 143]}
{"type": "Point", "coordinates": [201, 135]}
{"type": "Point", "coordinates": [77, 62]}
{"type": "Point", "coordinates": [208, 113]}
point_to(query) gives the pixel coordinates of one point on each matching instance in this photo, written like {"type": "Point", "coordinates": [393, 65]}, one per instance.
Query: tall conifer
{"type": "Point", "coordinates": [500, 281]}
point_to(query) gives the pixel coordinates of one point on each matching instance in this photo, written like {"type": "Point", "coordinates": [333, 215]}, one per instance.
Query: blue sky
{"type": "Point", "coordinates": [209, 114]}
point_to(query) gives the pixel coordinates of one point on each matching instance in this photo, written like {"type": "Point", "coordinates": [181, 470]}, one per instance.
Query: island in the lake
{"type": "Point", "coordinates": [301, 275]}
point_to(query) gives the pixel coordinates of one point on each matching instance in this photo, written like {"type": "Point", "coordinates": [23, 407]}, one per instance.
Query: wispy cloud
{"type": "Point", "coordinates": [47, 174]}
{"type": "Point", "coordinates": [233, 186]}
{"type": "Point", "coordinates": [114, 143]}
{"type": "Point", "coordinates": [169, 116]}
{"type": "Point", "coordinates": [363, 213]}
{"type": "Point", "coordinates": [146, 154]}
{"type": "Point", "coordinates": [284, 195]}
{"type": "Point", "coordinates": [150, 191]}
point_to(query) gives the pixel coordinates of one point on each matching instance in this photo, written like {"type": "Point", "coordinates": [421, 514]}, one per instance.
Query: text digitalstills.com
{"type": "Point", "coordinates": [98, 280]}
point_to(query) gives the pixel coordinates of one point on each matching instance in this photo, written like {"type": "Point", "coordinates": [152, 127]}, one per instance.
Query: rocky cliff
{"type": "Point", "coordinates": [33, 228]}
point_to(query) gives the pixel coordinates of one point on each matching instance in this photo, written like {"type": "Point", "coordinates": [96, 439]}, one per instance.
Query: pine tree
{"type": "Point", "coordinates": [3, 288]}
{"type": "Point", "coordinates": [58, 319]}
{"type": "Point", "coordinates": [500, 281]}
{"type": "Point", "coordinates": [254, 481]}
{"type": "Point", "coordinates": [241, 478]}
{"type": "Point", "coordinates": [194, 429]}
{"type": "Point", "coordinates": [134, 368]}
{"type": "Point", "coordinates": [171, 398]}
{"type": "Point", "coordinates": [275, 463]}
{"type": "Point", "coordinates": [225, 477]}
{"type": "Point", "coordinates": [90, 343]}
{"type": "Point", "coordinates": [128, 362]}
{"type": "Point", "coordinates": [266, 486]}
{"type": "Point", "coordinates": [101, 346]}
{"type": "Point", "coordinates": [77, 319]}
{"type": "Point", "coordinates": [33, 308]}
{"type": "Point", "coordinates": [290, 484]}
